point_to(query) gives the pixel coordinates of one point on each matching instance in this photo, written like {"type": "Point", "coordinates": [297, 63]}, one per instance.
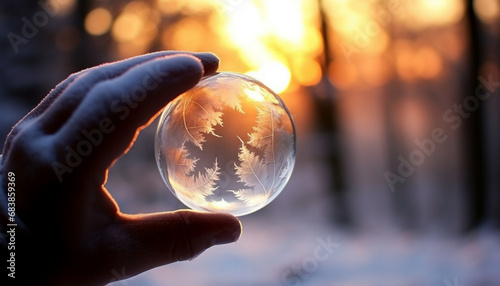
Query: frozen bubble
{"type": "Point", "coordinates": [226, 145]}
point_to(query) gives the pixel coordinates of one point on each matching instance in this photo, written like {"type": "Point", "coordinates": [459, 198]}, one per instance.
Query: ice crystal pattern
{"type": "Point", "coordinates": [228, 145]}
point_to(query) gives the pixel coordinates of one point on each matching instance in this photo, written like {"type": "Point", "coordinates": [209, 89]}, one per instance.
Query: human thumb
{"type": "Point", "coordinates": [151, 240]}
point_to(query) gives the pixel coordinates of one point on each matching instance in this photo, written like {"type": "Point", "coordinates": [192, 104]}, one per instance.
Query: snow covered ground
{"type": "Point", "coordinates": [292, 242]}
{"type": "Point", "coordinates": [269, 253]}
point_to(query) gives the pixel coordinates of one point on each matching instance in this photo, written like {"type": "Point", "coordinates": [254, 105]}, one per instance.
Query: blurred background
{"type": "Point", "coordinates": [397, 110]}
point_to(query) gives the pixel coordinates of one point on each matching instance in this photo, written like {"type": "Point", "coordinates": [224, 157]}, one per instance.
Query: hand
{"type": "Point", "coordinates": [69, 229]}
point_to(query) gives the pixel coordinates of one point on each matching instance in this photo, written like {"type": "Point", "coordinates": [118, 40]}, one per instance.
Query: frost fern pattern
{"type": "Point", "coordinates": [253, 170]}
{"type": "Point", "coordinates": [237, 168]}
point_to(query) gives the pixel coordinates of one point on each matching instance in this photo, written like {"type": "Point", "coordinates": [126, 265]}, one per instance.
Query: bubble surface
{"type": "Point", "coordinates": [226, 145]}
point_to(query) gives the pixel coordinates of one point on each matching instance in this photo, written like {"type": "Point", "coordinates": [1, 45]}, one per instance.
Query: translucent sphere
{"type": "Point", "coordinates": [226, 145]}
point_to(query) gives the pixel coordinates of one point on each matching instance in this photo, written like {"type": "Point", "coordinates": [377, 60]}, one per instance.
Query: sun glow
{"type": "Point", "coordinates": [274, 74]}
{"type": "Point", "coordinates": [219, 205]}
{"type": "Point", "coordinates": [253, 94]}
{"type": "Point", "coordinates": [269, 34]}
{"type": "Point", "coordinates": [281, 42]}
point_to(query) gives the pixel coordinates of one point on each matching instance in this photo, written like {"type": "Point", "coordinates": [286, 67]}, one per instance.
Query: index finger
{"type": "Point", "coordinates": [74, 89]}
{"type": "Point", "coordinates": [106, 122]}
{"type": "Point", "coordinates": [54, 110]}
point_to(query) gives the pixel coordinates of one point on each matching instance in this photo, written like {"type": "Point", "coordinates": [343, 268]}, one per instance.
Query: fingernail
{"type": "Point", "coordinates": [225, 236]}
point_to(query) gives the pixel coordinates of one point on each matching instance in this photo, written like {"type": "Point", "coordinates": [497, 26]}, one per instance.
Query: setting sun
{"type": "Point", "coordinates": [274, 74]}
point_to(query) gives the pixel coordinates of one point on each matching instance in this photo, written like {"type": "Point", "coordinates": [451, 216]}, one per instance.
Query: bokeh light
{"type": "Point", "coordinates": [282, 42]}
{"type": "Point", "coordinates": [127, 27]}
{"type": "Point", "coordinates": [63, 8]}
{"type": "Point", "coordinates": [487, 10]}
{"type": "Point", "coordinates": [135, 28]}
{"type": "Point", "coordinates": [427, 13]}
{"type": "Point", "coordinates": [307, 71]}
{"type": "Point", "coordinates": [98, 21]}
{"type": "Point", "coordinates": [187, 34]}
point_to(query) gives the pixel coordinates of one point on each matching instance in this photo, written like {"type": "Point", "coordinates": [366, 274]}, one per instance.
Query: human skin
{"type": "Point", "coordinates": [69, 230]}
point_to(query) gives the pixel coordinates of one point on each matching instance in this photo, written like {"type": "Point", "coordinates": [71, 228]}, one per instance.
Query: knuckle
{"type": "Point", "coordinates": [30, 146]}
{"type": "Point", "coordinates": [188, 244]}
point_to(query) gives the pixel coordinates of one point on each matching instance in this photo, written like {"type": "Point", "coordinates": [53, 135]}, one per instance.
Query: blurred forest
{"type": "Point", "coordinates": [396, 105]}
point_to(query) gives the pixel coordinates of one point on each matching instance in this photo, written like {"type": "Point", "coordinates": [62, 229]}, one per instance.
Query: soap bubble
{"type": "Point", "coordinates": [226, 145]}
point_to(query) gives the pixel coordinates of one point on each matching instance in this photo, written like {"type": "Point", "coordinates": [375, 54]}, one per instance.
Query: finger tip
{"type": "Point", "coordinates": [221, 227]}
{"type": "Point", "coordinates": [230, 231]}
{"type": "Point", "coordinates": [181, 71]}
{"type": "Point", "coordinates": [187, 63]}
{"type": "Point", "coordinates": [234, 224]}
{"type": "Point", "coordinates": [210, 62]}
